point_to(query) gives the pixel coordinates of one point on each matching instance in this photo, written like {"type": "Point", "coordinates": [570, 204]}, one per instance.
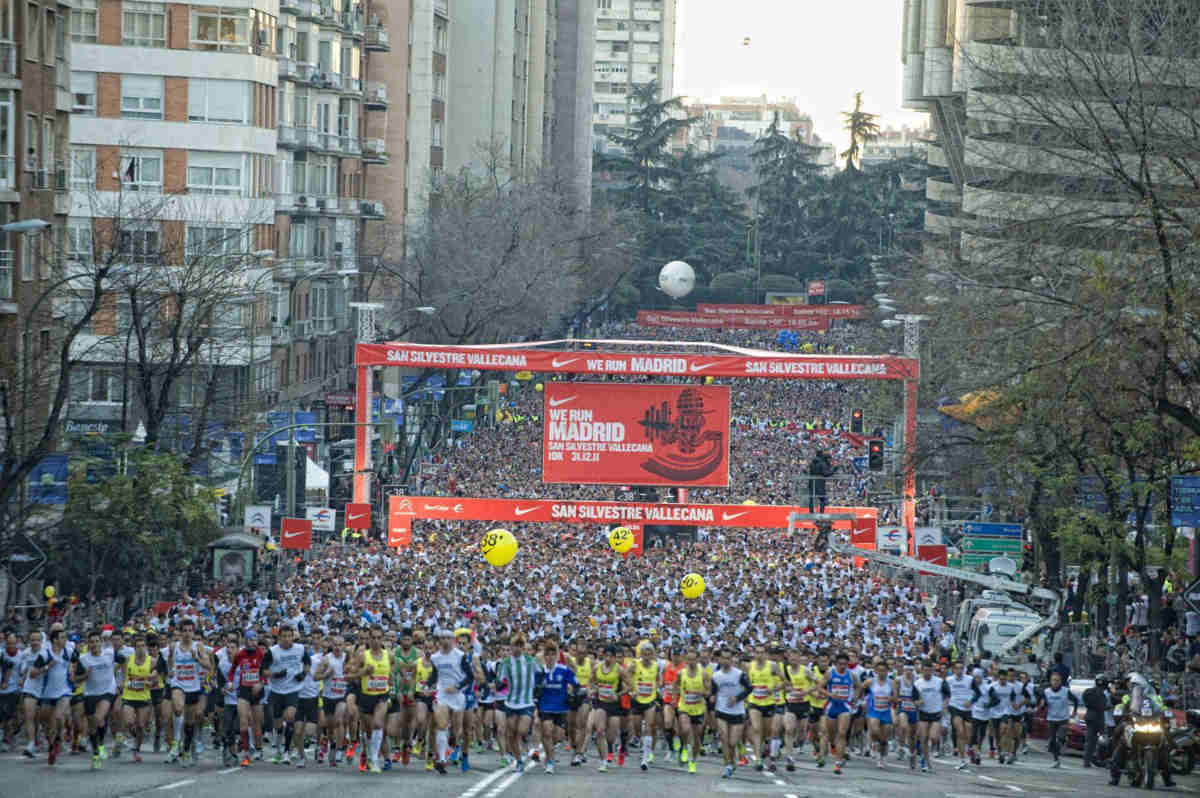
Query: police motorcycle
{"type": "Point", "coordinates": [1140, 742]}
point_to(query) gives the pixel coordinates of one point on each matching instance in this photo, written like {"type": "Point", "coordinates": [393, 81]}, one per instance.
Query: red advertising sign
{"type": "Point", "coordinates": [295, 533]}
{"type": "Point", "coordinates": [816, 288]}
{"type": "Point", "coordinates": [604, 433]}
{"type": "Point", "coordinates": [400, 532]}
{"type": "Point", "coordinates": [835, 311]}
{"type": "Point", "coordinates": [358, 516]}
{"type": "Point", "coordinates": [773, 365]}
{"type": "Point", "coordinates": [761, 516]}
{"type": "Point", "coordinates": [654, 318]}
{"type": "Point", "coordinates": [932, 554]}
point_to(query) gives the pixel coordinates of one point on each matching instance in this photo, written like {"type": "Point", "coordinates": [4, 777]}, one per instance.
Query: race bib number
{"type": "Point", "coordinates": [186, 672]}
{"type": "Point", "coordinates": [761, 692]}
{"type": "Point", "coordinates": [840, 692]}
{"type": "Point", "coordinates": [607, 693]}
{"type": "Point", "coordinates": [795, 696]}
{"type": "Point", "coordinates": [137, 685]}
{"type": "Point", "coordinates": [645, 688]}
{"type": "Point", "coordinates": [250, 677]}
{"type": "Point", "coordinates": [337, 688]}
{"type": "Point", "coordinates": [377, 684]}
{"type": "Point", "coordinates": [691, 698]}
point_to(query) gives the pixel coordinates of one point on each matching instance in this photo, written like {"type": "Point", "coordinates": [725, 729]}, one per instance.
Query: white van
{"type": "Point", "coordinates": [993, 627]}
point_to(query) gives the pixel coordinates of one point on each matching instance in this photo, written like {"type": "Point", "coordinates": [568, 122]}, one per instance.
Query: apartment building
{"type": "Point", "coordinates": [736, 122]}
{"type": "Point", "coordinates": [232, 135]}
{"type": "Point", "coordinates": [895, 143]}
{"type": "Point", "coordinates": [635, 44]}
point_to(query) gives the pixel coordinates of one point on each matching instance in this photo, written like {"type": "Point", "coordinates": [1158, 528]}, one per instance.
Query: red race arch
{"type": "Point", "coordinates": [731, 362]}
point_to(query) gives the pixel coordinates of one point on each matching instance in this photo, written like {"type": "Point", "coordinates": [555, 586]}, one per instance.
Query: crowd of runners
{"type": "Point", "coordinates": [371, 658]}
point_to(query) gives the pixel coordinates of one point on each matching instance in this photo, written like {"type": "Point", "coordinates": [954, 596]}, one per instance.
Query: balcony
{"type": "Point", "coordinates": [288, 137]}
{"type": "Point", "coordinates": [8, 60]}
{"type": "Point", "coordinates": [308, 9]}
{"type": "Point", "coordinates": [441, 7]}
{"type": "Point", "coordinates": [289, 6]}
{"type": "Point", "coordinates": [323, 79]}
{"type": "Point", "coordinates": [373, 209]}
{"type": "Point", "coordinates": [352, 22]}
{"type": "Point", "coordinates": [324, 326]}
{"type": "Point", "coordinates": [612, 35]}
{"type": "Point", "coordinates": [327, 205]}
{"type": "Point", "coordinates": [8, 175]}
{"type": "Point", "coordinates": [327, 142]}
{"type": "Point", "coordinates": [376, 98]}
{"type": "Point", "coordinates": [280, 334]}
{"type": "Point", "coordinates": [647, 14]}
{"type": "Point", "coordinates": [377, 39]}
{"type": "Point", "coordinates": [287, 68]}
{"type": "Point", "coordinates": [374, 151]}
{"type": "Point", "coordinates": [303, 328]}
{"type": "Point", "coordinates": [350, 146]}
{"type": "Point", "coordinates": [305, 72]}
{"type": "Point", "coordinates": [327, 16]}
{"type": "Point", "coordinates": [351, 85]}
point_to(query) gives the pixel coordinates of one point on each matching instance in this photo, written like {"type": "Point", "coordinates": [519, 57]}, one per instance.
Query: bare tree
{"type": "Point", "coordinates": [502, 255]}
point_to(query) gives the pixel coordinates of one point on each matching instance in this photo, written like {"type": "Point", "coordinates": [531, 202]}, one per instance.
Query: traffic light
{"type": "Point", "coordinates": [875, 455]}
{"type": "Point", "coordinates": [856, 421]}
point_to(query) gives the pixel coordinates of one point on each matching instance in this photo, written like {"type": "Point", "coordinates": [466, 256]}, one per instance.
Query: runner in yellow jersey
{"type": "Point", "coordinates": [424, 693]}
{"type": "Point", "coordinates": [762, 671]}
{"type": "Point", "coordinates": [139, 676]}
{"type": "Point", "coordinates": [776, 723]}
{"type": "Point", "coordinates": [373, 666]}
{"type": "Point", "coordinates": [694, 686]}
{"type": "Point", "coordinates": [579, 717]}
{"type": "Point", "coordinates": [608, 679]}
{"type": "Point", "coordinates": [797, 708]}
{"type": "Point", "coordinates": [647, 681]}
{"type": "Point", "coordinates": [818, 672]}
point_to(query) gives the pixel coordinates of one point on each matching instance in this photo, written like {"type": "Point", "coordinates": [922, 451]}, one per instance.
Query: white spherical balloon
{"type": "Point", "coordinates": [677, 279]}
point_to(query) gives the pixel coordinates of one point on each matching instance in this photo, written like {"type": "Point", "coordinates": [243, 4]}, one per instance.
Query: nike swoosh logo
{"type": "Point", "coordinates": [694, 368]}
{"type": "Point", "coordinates": [731, 516]}
{"type": "Point", "coordinates": [556, 363]}
{"type": "Point", "coordinates": [524, 510]}
{"type": "Point", "coordinates": [360, 515]}
{"type": "Point", "coordinates": [557, 402]}
{"type": "Point", "coordinates": [290, 535]}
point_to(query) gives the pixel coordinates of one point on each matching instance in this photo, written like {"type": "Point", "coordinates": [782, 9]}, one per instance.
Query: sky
{"type": "Point", "coordinates": [818, 51]}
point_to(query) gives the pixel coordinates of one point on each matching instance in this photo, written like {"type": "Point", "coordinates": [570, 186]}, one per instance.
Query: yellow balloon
{"type": "Point", "coordinates": [621, 539]}
{"type": "Point", "coordinates": [539, 387]}
{"type": "Point", "coordinates": [750, 503]}
{"type": "Point", "coordinates": [498, 547]}
{"type": "Point", "coordinates": [692, 586]}
{"type": "Point", "coordinates": [49, 591]}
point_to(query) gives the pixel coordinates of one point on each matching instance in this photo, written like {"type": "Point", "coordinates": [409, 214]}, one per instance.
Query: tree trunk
{"type": "Point", "coordinates": [1120, 620]}
{"type": "Point", "coordinates": [1102, 612]}
{"type": "Point", "coordinates": [1154, 596]}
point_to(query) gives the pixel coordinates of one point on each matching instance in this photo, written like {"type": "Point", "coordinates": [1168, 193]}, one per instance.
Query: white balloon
{"type": "Point", "coordinates": [676, 279]}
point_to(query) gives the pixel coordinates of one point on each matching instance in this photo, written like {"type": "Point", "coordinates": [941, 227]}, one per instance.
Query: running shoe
{"type": "Point", "coordinates": [621, 758]}
{"type": "Point", "coordinates": [300, 762]}
{"type": "Point", "coordinates": [683, 755]}
{"type": "Point", "coordinates": [375, 770]}
{"type": "Point", "coordinates": [549, 767]}
{"type": "Point", "coordinates": [466, 764]}
{"type": "Point", "coordinates": [404, 756]}
{"type": "Point", "coordinates": [137, 756]}
{"type": "Point", "coordinates": [603, 767]}
{"type": "Point", "coordinates": [837, 768]}
{"type": "Point", "coordinates": [790, 764]}
{"type": "Point", "coordinates": [728, 772]}
{"type": "Point", "coordinates": [692, 766]}
{"type": "Point", "coordinates": [95, 761]}
{"type": "Point", "coordinates": [245, 761]}
{"type": "Point", "coordinates": [520, 766]}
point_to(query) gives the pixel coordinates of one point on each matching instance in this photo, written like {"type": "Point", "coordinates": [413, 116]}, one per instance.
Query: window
{"type": "Point", "coordinates": [604, 5]}
{"type": "Point", "coordinates": [226, 29]}
{"type": "Point", "coordinates": [79, 240]}
{"type": "Point", "coordinates": [321, 308]}
{"type": "Point", "coordinates": [620, 47]}
{"type": "Point", "coordinates": [214, 242]}
{"type": "Point", "coordinates": [439, 84]}
{"type": "Point", "coordinates": [83, 93]}
{"type": "Point", "coordinates": [437, 133]}
{"type": "Point", "coordinates": [96, 385]}
{"type": "Point", "coordinates": [28, 255]}
{"type": "Point", "coordinates": [141, 171]}
{"type": "Point", "coordinates": [83, 168]}
{"type": "Point", "coordinates": [50, 48]}
{"type": "Point", "coordinates": [31, 137]}
{"type": "Point", "coordinates": [214, 173]}
{"type": "Point", "coordinates": [439, 38]}
{"type": "Point", "coordinates": [220, 101]}
{"type": "Point", "coordinates": [346, 118]}
{"type": "Point", "coordinates": [83, 21]}
{"type": "Point", "coordinates": [33, 32]}
{"type": "Point", "coordinates": [138, 245]}
{"type": "Point", "coordinates": [48, 151]}
{"type": "Point", "coordinates": [141, 97]}
{"type": "Point", "coordinates": [143, 24]}
{"type": "Point", "coordinates": [8, 172]}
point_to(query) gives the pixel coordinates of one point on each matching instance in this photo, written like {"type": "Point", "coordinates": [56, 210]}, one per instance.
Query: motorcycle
{"type": "Point", "coordinates": [1144, 737]}
{"type": "Point", "coordinates": [1185, 745]}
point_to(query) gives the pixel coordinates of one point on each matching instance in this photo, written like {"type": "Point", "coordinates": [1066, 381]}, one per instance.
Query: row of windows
{"type": "Point", "coordinates": [142, 242]}
{"type": "Point", "coordinates": [144, 24]}
{"type": "Point", "coordinates": [218, 173]}
{"type": "Point", "coordinates": [209, 99]}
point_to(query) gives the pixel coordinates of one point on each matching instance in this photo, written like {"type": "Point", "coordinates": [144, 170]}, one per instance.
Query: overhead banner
{"type": "Point", "coordinates": [257, 519]}
{"type": "Point", "coordinates": [891, 537]}
{"type": "Point", "coordinates": [295, 533]}
{"type": "Point", "coordinates": [399, 530]}
{"type": "Point", "coordinates": [358, 516]}
{"type": "Point", "coordinates": [654, 318]}
{"type": "Point", "coordinates": [402, 510]}
{"type": "Point", "coordinates": [747, 363]}
{"type": "Point", "coordinates": [636, 434]}
{"type": "Point", "coordinates": [835, 311]}
{"type": "Point", "coordinates": [322, 518]}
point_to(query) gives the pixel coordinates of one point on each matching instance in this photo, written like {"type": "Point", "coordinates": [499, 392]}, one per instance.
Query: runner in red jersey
{"type": "Point", "coordinates": [247, 665]}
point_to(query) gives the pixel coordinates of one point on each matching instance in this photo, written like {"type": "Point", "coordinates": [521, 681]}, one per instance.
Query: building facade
{"type": "Point", "coordinates": [635, 45]}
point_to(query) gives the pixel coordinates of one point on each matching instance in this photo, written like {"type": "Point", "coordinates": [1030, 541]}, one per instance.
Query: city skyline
{"type": "Point", "coordinates": [788, 43]}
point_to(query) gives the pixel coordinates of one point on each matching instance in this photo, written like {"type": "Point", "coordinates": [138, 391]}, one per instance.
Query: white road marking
{"type": "Point", "coordinates": [1014, 788]}
{"type": "Point", "coordinates": [176, 784]}
{"type": "Point", "coordinates": [230, 770]}
{"type": "Point", "coordinates": [987, 778]}
{"type": "Point", "coordinates": [502, 786]}
{"type": "Point", "coordinates": [483, 783]}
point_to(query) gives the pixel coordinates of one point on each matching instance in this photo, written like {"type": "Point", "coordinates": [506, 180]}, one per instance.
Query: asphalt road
{"type": "Point", "coordinates": [73, 778]}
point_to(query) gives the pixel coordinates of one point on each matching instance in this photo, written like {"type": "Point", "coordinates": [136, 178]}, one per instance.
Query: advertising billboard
{"type": "Point", "coordinates": [630, 434]}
